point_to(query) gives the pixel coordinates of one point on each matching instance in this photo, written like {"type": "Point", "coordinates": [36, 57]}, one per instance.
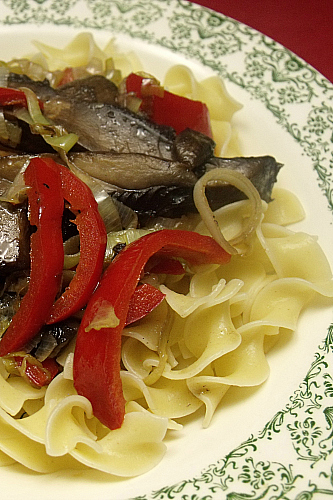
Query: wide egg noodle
{"type": "Point", "coordinates": [148, 330]}
{"type": "Point", "coordinates": [284, 209]}
{"type": "Point", "coordinates": [126, 63]}
{"type": "Point", "coordinates": [131, 450]}
{"type": "Point", "coordinates": [217, 338]}
{"type": "Point", "coordinates": [294, 254]}
{"type": "Point", "coordinates": [79, 52]}
{"type": "Point", "coordinates": [15, 391]}
{"type": "Point", "coordinates": [210, 390]}
{"type": "Point", "coordinates": [115, 452]}
{"type": "Point", "coordinates": [72, 424]}
{"type": "Point", "coordinates": [135, 406]}
{"type": "Point", "coordinates": [5, 459]}
{"type": "Point", "coordinates": [272, 302]}
{"type": "Point", "coordinates": [138, 358]}
{"type": "Point", "coordinates": [46, 440]}
{"type": "Point", "coordinates": [231, 219]}
{"type": "Point", "coordinates": [253, 276]}
{"type": "Point", "coordinates": [166, 398]}
{"type": "Point", "coordinates": [34, 426]}
{"type": "Point", "coordinates": [31, 406]}
{"type": "Point", "coordinates": [281, 302]}
{"type": "Point", "coordinates": [30, 453]}
{"type": "Point", "coordinates": [184, 305]}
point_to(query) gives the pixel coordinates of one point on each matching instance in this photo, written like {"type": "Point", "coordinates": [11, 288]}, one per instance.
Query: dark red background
{"type": "Point", "coordinates": [303, 26]}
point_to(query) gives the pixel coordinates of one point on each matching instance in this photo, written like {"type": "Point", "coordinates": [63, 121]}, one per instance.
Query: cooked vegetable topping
{"type": "Point", "coordinates": [45, 212]}
{"type": "Point", "coordinates": [37, 373]}
{"type": "Point", "coordinates": [49, 185]}
{"type": "Point", "coordinates": [92, 246]}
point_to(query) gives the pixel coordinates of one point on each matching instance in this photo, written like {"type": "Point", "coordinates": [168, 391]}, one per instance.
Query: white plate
{"type": "Point", "coordinates": [274, 441]}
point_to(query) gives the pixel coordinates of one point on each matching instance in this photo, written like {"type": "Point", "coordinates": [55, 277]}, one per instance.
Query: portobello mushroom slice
{"type": "Point", "coordinates": [126, 170]}
{"type": "Point", "coordinates": [52, 339]}
{"type": "Point", "coordinates": [101, 126]}
{"type": "Point", "coordinates": [14, 238]}
{"type": "Point", "coordinates": [175, 201]}
{"type": "Point", "coordinates": [91, 108]}
{"type": "Point", "coordinates": [95, 88]}
{"type": "Point", "coordinates": [153, 187]}
{"type": "Point", "coordinates": [134, 170]}
{"type": "Point", "coordinates": [261, 170]}
{"type": "Point", "coordinates": [41, 88]}
{"type": "Point", "coordinates": [105, 127]}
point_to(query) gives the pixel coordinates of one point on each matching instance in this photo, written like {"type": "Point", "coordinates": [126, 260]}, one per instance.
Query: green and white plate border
{"type": "Point", "coordinates": [300, 102]}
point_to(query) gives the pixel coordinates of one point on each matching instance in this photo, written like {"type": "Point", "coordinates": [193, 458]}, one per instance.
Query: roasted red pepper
{"type": "Point", "coordinates": [145, 298]}
{"type": "Point", "coordinates": [67, 77]}
{"type": "Point", "coordinates": [13, 97]}
{"type": "Point", "coordinates": [50, 184]}
{"type": "Point", "coordinates": [38, 373]}
{"type": "Point", "coordinates": [165, 265]}
{"type": "Point", "coordinates": [45, 212]}
{"type": "Point", "coordinates": [93, 239]}
{"type": "Point", "coordinates": [169, 109]}
{"type": "Point", "coordinates": [98, 347]}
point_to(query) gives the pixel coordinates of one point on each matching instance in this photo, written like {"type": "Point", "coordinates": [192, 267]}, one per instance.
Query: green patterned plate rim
{"type": "Point", "coordinates": [300, 101]}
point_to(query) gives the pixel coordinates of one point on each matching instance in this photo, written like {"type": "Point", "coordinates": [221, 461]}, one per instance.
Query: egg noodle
{"type": "Point", "coordinates": [172, 365]}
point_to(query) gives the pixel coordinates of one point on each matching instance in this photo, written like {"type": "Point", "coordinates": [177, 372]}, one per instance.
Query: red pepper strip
{"type": "Point", "coordinates": [98, 348]}
{"type": "Point", "coordinates": [46, 206]}
{"type": "Point", "coordinates": [93, 239]}
{"type": "Point", "coordinates": [172, 110]}
{"type": "Point", "coordinates": [14, 97]}
{"type": "Point", "coordinates": [67, 77]}
{"type": "Point", "coordinates": [145, 298]}
{"type": "Point", "coordinates": [165, 265]}
{"type": "Point", "coordinates": [39, 374]}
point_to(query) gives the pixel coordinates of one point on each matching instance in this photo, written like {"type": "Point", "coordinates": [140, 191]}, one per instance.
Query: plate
{"type": "Point", "coordinates": [270, 442]}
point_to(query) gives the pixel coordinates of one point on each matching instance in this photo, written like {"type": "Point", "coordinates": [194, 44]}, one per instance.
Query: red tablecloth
{"type": "Point", "coordinates": [303, 26]}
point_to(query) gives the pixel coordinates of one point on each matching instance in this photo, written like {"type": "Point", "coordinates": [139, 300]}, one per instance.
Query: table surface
{"type": "Point", "coordinates": [303, 26]}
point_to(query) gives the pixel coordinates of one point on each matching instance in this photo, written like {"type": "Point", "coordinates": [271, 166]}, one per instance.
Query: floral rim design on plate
{"type": "Point", "coordinates": [289, 88]}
